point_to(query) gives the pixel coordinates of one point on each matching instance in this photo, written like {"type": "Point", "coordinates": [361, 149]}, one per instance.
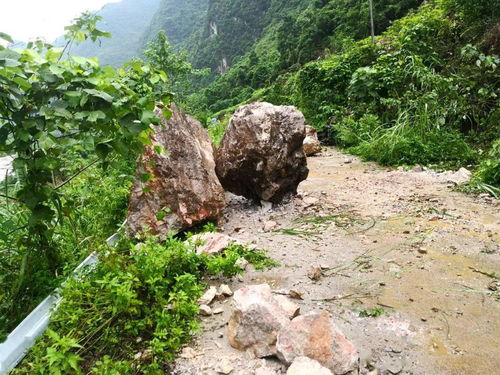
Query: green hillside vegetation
{"type": "Point", "coordinates": [181, 18]}
{"type": "Point", "coordinates": [426, 92]}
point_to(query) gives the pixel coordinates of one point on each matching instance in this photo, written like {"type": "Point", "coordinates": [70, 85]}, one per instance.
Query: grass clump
{"type": "Point", "coordinates": [371, 313]}
{"type": "Point", "coordinates": [133, 312]}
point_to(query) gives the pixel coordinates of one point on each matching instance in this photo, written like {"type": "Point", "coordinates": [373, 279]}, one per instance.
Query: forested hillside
{"type": "Point", "coordinates": [126, 21]}
{"type": "Point", "coordinates": [183, 20]}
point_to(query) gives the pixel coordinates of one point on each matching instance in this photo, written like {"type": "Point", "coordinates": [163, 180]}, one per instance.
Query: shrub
{"type": "Point", "coordinates": [489, 170]}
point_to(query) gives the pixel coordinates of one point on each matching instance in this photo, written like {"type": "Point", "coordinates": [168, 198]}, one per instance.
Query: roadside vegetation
{"type": "Point", "coordinates": [133, 313]}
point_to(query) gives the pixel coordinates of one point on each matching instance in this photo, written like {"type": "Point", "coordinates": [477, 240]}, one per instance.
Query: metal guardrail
{"type": "Point", "coordinates": [22, 338]}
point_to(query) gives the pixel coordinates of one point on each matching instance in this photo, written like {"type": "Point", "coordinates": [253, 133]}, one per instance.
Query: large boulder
{"type": "Point", "coordinates": [315, 336]}
{"type": "Point", "coordinates": [176, 186]}
{"type": "Point", "coordinates": [256, 320]}
{"type": "Point", "coordinates": [261, 155]}
{"type": "Point", "coordinates": [312, 146]}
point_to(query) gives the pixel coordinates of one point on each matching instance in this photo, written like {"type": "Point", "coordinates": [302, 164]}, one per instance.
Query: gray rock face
{"type": "Point", "coordinates": [183, 189]}
{"type": "Point", "coordinates": [315, 336]}
{"type": "Point", "coordinates": [261, 155]}
{"type": "Point", "coordinates": [312, 146]}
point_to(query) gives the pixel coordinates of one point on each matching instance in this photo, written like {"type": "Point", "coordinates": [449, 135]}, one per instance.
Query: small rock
{"type": "Point", "coordinates": [218, 311]}
{"type": "Point", "coordinates": [307, 366]}
{"type": "Point", "coordinates": [315, 336]}
{"type": "Point", "coordinates": [291, 308]}
{"type": "Point", "coordinates": [314, 273]}
{"type": "Point", "coordinates": [225, 290]}
{"type": "Point", "coordinates": [459, 177]}
{"type": "Point", "coordinates": [188, 353]}
{"type": "Point", "coordinates": [266, 206]}
{"type": "Point", "coordinates": [205, 310]}
{"type": "Point", "coordinates": [310, 201]}
{"type": "Point", "coordinates": [269, 226]}
{"type": "Point", "coordinates": [242, 263]}
{"type": "Point", "coordinates": [208, 297]}
{"type": "Point", "coordinates": [144, 355]}
{"type": "Point", "coordinates": [295, 294]}
{"type": "Point", "coordinates": [493, 286]}
{"type": "Point", "coordinates": [311, 143]}
{"type": "Point", "coordinates": [394, 366]}
{"type": "Point", "coordinates": [224, 367]}
{"type": "Point", "coordinates": [422, 250]}
{"type": "Point", "coordinates": [264, 371]}
{"type": "Point", "coordinates": [211, 243]}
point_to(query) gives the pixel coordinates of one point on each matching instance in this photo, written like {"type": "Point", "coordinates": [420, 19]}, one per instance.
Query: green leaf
{"type": "Point", "coordinates": [154, 79]}
{"type": "Point", "coordinates": [46, 142]}
{"type": "Point", "coordinates": [99, 94]}
{"type": "Point", "coordinates": [149, 117]}
{"type": "Point", "coordinates": [96, 115]}
{"type": "Point", "coordinates": [167, 113]}
{"type": "Point", "coordinates": [133, 126]}
{"type": "Point", "coordinates": [57, 70]}
{"type": "Point", "coordinates": [10, 63]}
{"type": "Point", "coordinates": [88, 143]}
{"type": "Point", "coordinates": [23, 83]}
{"type": "Point", "coordinates": [6, 37]}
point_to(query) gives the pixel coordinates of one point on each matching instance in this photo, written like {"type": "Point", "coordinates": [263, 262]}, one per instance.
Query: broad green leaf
{"type": "Point", "coordinates": [54, 54]}
{"type": "Point", "coordinates": [149, 117]}
{"type": "Point", "coordinates": [96, 115]}
{"type": "Point", "coordinates": [46, 142]}
{"type": "Point", "coordinates": [6, 37]}
{"type": "Point", "coordinates": [23, 83]}
{"type": "Point", "coordinates": [99, 94]}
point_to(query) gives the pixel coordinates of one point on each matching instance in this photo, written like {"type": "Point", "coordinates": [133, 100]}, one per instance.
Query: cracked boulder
{"type": "Point", "coordinates": [176, 186]}
{"type": "Point", "coordinates": [261, 156]}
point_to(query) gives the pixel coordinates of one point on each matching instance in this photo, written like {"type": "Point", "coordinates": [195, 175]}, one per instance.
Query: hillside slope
{"type": "Point", "coordinates": [180, 19]}
{"type": "Point", "coordinates": [126, 21]}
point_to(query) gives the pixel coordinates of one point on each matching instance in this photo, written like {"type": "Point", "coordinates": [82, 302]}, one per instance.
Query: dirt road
{"type": "Point", "coordinates": [398, 244]}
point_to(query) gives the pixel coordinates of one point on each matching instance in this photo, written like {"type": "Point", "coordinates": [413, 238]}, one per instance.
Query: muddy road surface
{"type": "Point", "coordinates": [409, 270]}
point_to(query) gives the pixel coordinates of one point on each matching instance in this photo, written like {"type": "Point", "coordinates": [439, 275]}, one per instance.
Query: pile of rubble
{"type": "Point", "coordinates": [265, 324]}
